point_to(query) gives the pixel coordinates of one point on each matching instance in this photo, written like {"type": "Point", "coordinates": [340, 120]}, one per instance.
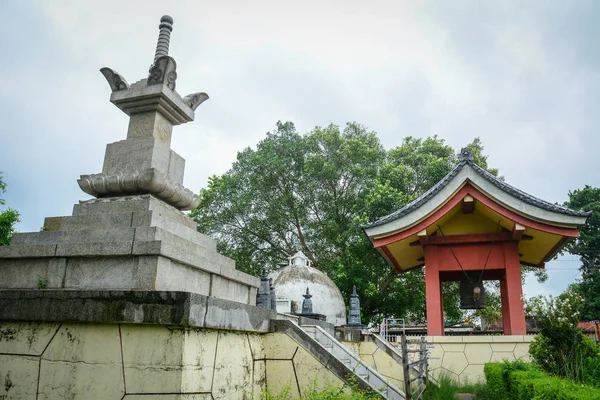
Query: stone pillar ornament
{"type": "Point", "coordinates": [272, 294]}
{"type": "Point", "coordinates": [307, 303]}
{"type": "Point", "coordinates": [164, 37]}
{"type": "Point", "coordinates": [354, 320]}
{"type": "Point", "coordinates": [263, 294]}
{"type": "Point", "coordinates": [144, 163]}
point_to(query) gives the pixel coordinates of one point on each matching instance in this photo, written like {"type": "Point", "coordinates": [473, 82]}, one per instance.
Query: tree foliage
{"type": "Point", "coordinates": [560, 348]}
{"type": "Point", "coordinates": [8, 218]}
{"type": "Point", "coordinates": [312, 192]}
{"type": "Point", "coordinates": [587, 247]}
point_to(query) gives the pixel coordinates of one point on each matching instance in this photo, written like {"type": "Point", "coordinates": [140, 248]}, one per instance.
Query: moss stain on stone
{"type": "Point", "coordinates": [8, 334]}
{"type": "Point", "coordinates": [7, 383]}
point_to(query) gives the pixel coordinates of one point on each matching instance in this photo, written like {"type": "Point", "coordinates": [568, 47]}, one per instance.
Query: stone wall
{"type": "Point", "coordinates": [379, 360]}
{"type": "Point", "coordinates": [463, 357]}
{"type": "Point", "coordinates": [133, 361]}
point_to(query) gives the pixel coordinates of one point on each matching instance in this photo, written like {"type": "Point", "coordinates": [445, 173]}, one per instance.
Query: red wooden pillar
{"type": "Point", "coordinates": [512, 292]}
{"type": "Point", "coordinates": [433, 293]}
{"type": "Point", "coordinates": [505, 313]}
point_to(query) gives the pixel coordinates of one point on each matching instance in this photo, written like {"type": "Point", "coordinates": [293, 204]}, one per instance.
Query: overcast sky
{"type": "Point", "coordinates": [523, 76]}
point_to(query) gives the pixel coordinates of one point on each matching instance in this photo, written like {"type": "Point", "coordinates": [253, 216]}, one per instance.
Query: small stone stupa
{"type": "Point", "coordinates": [354, 320]}
{"type": "Point", "coordinates": [133, 235]}
{"type": "Point", "coordinates": [291, 282]}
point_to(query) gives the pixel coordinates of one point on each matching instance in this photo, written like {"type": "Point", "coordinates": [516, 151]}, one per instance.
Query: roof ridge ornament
{"type": "Point", "coordinates": [466, 154]}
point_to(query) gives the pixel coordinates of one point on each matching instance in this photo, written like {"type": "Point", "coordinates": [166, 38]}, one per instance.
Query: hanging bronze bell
{"type": "Point", "coordinates": [472, 293]}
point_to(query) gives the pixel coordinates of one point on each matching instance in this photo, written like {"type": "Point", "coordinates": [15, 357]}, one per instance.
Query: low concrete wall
{"type": "Point", "coordinates": [129, 361]}
{"type": "Point", "coordinates": [379, 360]}
{"type": "Point", "coordinates": [463, 357]}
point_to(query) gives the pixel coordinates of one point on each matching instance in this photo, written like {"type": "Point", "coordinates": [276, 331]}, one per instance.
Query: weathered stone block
{"type": "Point", "coordinates": [229, 290]}
{"type": "Point", "coordinates": [53, 224]}
{"type": "Point", "coordinates": [83, 361]}
{"type": "Point", "coordinates": [241, 277]}
{"type": "Point", "coordinates": [36, 238]}
{"type": "Point", "coordinates": [257, 346]}
{"type": "Point", "coordinates": [176, 167]}
{"type": "Point", "coordinates": [29, 273]}
{"type": "Point", "coordinates": [104, 273]}
{"type": "Point", "coordinates": [26, 251]}
{"type": "Point", "coordinates": [134, 203]}
{"type": "Point", "coordinates": [259, 384]}
{"type": "Point", "coordinates": [230, 315]}
{"type": "Point", "coordinates": [233, 377]}
{"type": "Point", "coordinates": [281, 376]}
{"type": "Point", "coordinates": [168, 360]}
{"type": "Point", "coordinates": [170, 231]}
{"type": "Point", "coordinates": [171, 275]}
{"type": "Point", "coordinates": [388, 367]}
{"type": "Point", "coordinates": [97, 221]}
{"type": "Point", "coordinates": [308, 371]}
{"type": "Point", "coordinates": [279, 346]}
{"type": "Point", "coordinates": [93, 249]}
{"type": "Point", "coordinates": [19, 377]}
{"type": "Point", "coordinates": [25, 338]}
{"type": "Point", "coordinates": [136, 155]}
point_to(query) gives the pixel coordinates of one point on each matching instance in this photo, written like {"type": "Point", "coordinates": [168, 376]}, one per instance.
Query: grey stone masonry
{"type": "Point", "coordinates": [133, 236]}
{"type": "Point", "coordinates": [123, 243]}
{"type": "Point", "coordinates": [134, 307]}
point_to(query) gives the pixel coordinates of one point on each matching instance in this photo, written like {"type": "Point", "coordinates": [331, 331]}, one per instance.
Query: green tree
{"type": "Point", "coordinates": [587, 247]}
{"type": "Point", "coordinates": [312, 192]}
{"type": "Point", "coordinates": [8, 218]}
{"type": "Point", "coordinates": [560, 348]}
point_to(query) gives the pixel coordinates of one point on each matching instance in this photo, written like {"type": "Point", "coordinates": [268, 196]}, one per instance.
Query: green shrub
{"type": "Point", "coordinates": [494, 375]}
{"type": "Point", "coordinates": [560, 348]}
{"type": "Point", "coordinates": [523, 381]}
{"type": "Point", "coordinates": [591, 372]}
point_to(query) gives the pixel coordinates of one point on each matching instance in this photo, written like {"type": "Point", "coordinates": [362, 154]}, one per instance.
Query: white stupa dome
{"type": "Point", "coordinates": [291, 282]}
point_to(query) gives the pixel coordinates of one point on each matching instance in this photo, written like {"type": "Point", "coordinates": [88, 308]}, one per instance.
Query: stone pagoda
{"type": "Point", "coordinates": [133, 234]}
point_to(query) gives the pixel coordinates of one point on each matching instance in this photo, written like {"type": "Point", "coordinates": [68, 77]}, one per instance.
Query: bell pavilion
{"type": "Point", "coordinates": [471, 227]}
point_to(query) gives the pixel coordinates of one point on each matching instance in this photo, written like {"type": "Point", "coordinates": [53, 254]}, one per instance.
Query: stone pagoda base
{"type": "Point", "coordinates": [123, 243]}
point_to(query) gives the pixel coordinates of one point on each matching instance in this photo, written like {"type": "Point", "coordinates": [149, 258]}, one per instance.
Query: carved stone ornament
{"type": "Point", "coordinates": [145, 181]}
{"type": "Point", "coordinates": [115, 80]}
{"type": "Point", "coordinates": [195, 99]}
{"type": "Point", "coordinates": [163, 71]}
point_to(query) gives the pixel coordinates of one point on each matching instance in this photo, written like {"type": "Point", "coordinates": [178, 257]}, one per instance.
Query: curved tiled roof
{"type": "Point", "coordinates": [466, 158]}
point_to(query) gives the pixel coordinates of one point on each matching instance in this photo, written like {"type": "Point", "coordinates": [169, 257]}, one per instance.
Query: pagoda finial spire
{"type": "Point", "coordinates": [164, 37]}
{"type": "Point", "coordinates": [144, 163]}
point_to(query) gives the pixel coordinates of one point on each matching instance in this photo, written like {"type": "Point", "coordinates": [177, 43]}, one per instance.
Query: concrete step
{"type": "Point", "coordinates": [353, 363]}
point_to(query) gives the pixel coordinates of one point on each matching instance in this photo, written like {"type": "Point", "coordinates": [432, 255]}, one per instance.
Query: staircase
{"type": "Point", "coordinates": [363, 371]}
{"type": "Point", "coordinates": [392, 351]}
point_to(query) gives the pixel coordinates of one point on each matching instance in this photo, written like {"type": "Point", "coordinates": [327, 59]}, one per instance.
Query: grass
{"type": "Point", "coordinates": [447, 388]}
